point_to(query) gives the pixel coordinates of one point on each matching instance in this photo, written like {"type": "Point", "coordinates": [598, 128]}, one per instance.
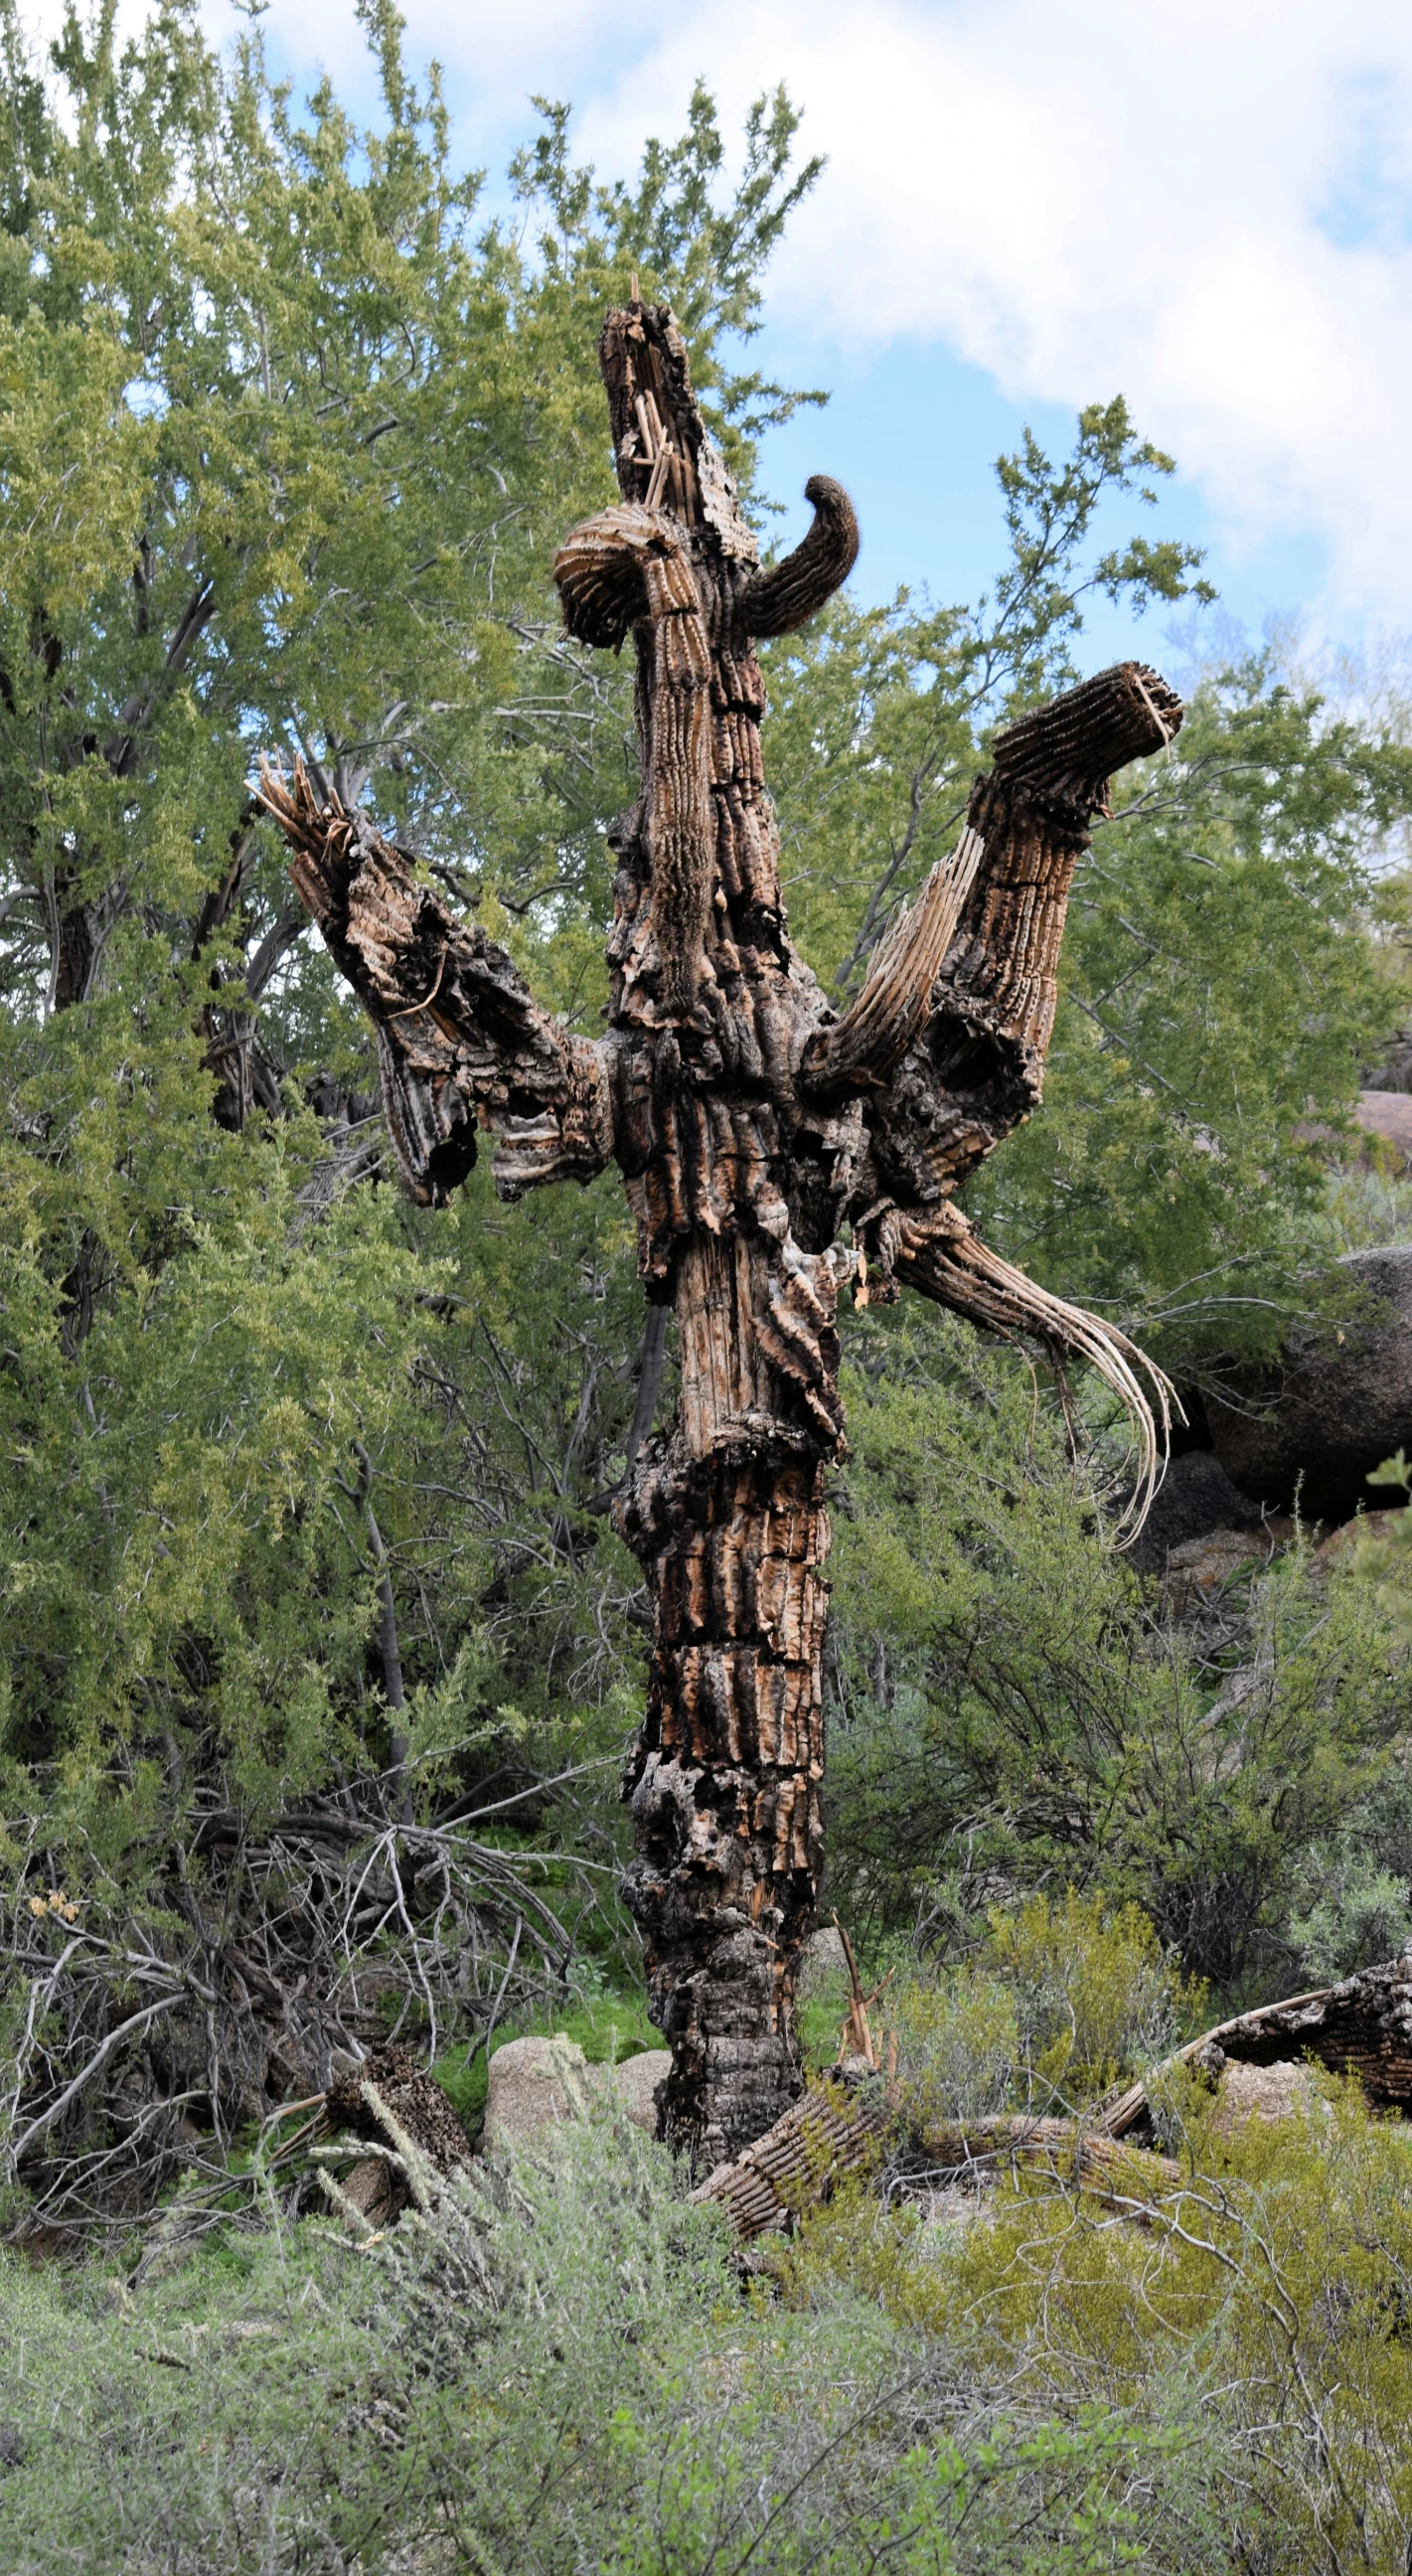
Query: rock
{"type": "Point", "coordinates": [1201, 1531]}
{"type": "Point", "coordinates": [1387, 1114]}
{"type": "Point", "coordinates": [1340, 1544]}
{"type": "Point", "coordinates": [822, 1958]}
{"type": "Point", "coordinates": [1333, 1410]}
{"type": "Point", "coordinates": [1382, 1130]}
{"type": "Point", "coordinates": [1195, 1497]}
{"type": "Point", "coordinates": [538, 2084]}
{"type": "Point", "coordinates": [534, 2084]}
{"type": "Point", "coordinates": [1260, 2093]}
{"type": "Point", "coordinates": [635, 2083]}
{"type": "Point", "coordinates": [1200, 1567]}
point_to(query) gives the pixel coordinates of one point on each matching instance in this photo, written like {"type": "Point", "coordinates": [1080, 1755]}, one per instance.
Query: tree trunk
{"type": "Point", "coordinates": [752, 1127]}
{"type": "Point", "coordinates": [728, 1520]}
{"type": "Point", "coordinates": [734, 1182]}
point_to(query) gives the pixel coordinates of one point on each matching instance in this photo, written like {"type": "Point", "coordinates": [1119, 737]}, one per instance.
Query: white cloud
{"type": "Point", "coordinates": [1205, 204]}
{"type": "Point", "coordinates": [1207, 207]}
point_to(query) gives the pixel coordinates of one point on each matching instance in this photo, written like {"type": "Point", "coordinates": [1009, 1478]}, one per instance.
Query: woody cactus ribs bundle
{"type": "Point", "coordinates": [754, 1129]}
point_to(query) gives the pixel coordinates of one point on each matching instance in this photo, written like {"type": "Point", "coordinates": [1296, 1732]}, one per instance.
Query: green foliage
{"type": "Point", "coordinates": [1352, 1911]}
{"type": "Point", "coordinates": [1059, 1999]}
{"type": "Point", "coordinates": [1254, 2316]}
{"type": "Point", "coordinates": [560, 2371]}
{"type": "Point", "coordinates": [957, 2044]}
{"type": "Point", "coordinates": [561, 2375]}
{"type": "Point", "coordinates": [344, 424]}
{"type": "Point", "coordinates": [1094, 1996]}
{"type": "Point", "coordinates": [1006, 1715]}
{"type": "Point", "coordinates": [288, 438]}
{"type": "Point", "coordinates": [703, 257]}
{"type": "Point", "coordinates": [1382, 1555]}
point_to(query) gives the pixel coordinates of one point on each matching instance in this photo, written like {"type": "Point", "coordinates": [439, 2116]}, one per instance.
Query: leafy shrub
{"type": "Point", "coordinates": [1251, 2332]}
{"type": "Point", "coordinates": [558, 2371]}
{"type": "Point", "coordinates": [958, 2047]}
{"type": "Point", "coordinates": [1070, 1995]}
{"type": "Point", "coordinates": [1094, 1993]}
{"type": "Point", "coordinates": [1358, 1910]}
{"type": "Point", "coordinates": [563, 2376]}
{"type": "Point", "coordinates": [1008, 1710]}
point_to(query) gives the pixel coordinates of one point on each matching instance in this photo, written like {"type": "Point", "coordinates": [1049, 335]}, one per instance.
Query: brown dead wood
{"type": "Point", "coordinates": [772, 1155]}
{"type": "Point", "coordinates": [1361, 2027]}
{"type": "Point", "coordinates": [841, 2132]}
{"type": "Point", "coordinates": [855, 2040]}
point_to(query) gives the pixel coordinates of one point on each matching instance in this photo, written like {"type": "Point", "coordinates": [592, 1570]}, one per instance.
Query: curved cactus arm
{"type": "Point", "coordinates": [787, 594]}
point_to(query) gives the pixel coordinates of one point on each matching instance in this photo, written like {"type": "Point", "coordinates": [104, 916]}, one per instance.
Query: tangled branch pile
{"type": "Point", "coordinates": [184, 2035]}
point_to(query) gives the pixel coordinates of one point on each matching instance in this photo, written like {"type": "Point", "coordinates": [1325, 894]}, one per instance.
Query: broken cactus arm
{"type": "Point", "coordinates": [461, 1041]}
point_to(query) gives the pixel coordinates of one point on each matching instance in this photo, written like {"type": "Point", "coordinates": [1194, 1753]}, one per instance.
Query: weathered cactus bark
{"type": "Point", "coordinates": [755, 1132]}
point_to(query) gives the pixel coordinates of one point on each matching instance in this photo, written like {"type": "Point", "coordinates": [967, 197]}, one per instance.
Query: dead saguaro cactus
{"type": "Point", "coordinates": [772, 1154]}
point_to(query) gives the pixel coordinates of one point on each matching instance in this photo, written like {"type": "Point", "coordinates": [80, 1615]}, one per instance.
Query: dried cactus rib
{"type": "Point", "coordinates": [977, 1069]}
{"type": "Point", "coordinates": [623, 566]}
{"type": "Point", "coordinates": [651, 406]}
{"type": "Point", "coordinates": [741, 1174]}
{"type": "Point", "coordinates": [1362, 2026]}
{"type": "Point", "coordinates": [1068, 750]}
{"type": "Point", "coordinates": [879, 1028]}
{"type": "Point", "coordinates": [940, 1253]}
{"type": "Point", "coordinates": [1079, 2152]}
{"type": "Point", "coordinates": [600, 571]}
{"type": "Point", "coordinates": [820, 2138]}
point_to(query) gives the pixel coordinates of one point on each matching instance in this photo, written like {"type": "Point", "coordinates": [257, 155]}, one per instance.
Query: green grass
{"type": "Point", "coordinates": [820, 2019]}
{"type": "Point", "coordinates": [606, 2026]}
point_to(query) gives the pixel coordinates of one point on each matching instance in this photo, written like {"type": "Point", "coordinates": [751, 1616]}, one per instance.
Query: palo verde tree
{"type": "Point", "coordinates": [287, 426]}
{"type": "Point", "coordinates": [753, 1127]}
{"type": "Point", "coordinates": [286, 423]}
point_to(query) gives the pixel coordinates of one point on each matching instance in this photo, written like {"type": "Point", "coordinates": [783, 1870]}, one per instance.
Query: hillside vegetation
{"type": "Point", "coordinates": [318, 1651]}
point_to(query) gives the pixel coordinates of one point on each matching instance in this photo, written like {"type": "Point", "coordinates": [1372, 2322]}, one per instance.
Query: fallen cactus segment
{"type": "Point", "coordinates": [1362, 2026]}
{"type": "Point", "coordinates": [854, 2124]}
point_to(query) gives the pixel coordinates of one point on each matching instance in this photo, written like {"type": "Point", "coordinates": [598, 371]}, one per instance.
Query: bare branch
{"type": "Point", "coordinates": [125, 2030]}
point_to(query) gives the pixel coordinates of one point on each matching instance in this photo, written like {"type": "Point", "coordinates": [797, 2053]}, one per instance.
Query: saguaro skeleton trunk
{"type": "Point", "coordinates": [755, 1130]}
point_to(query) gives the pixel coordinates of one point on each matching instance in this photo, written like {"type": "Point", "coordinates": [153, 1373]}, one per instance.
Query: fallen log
{"type": "Point", "coordinates": [840, 2130]}
{"type": "Point", "coordinates": [1077, 2152]}
{"type": "Point", "coordinates": [1362, 2026]}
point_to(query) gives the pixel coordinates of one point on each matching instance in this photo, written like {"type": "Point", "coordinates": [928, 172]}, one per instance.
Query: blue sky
{"type": "Point", "coordinates": [913, 431]}
{"type": "Point", "coordinates": [1030, 204]}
